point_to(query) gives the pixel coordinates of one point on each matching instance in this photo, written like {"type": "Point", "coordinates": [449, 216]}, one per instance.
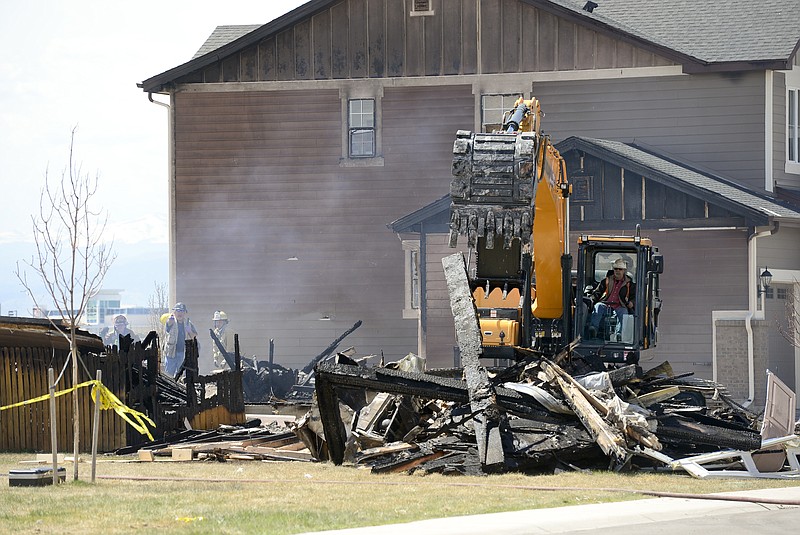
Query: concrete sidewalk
{"type": "Point", "coordinates": [658, 515]}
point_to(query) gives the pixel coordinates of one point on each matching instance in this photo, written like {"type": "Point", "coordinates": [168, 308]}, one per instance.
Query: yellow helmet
{"type": "Point", "coordinates": [219, 316]}
{"type": "Point", "coordinates": [164, 317]}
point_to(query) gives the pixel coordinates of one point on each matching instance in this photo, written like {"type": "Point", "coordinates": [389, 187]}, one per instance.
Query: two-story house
{"type": "Point", "coordinates": [310, 163]}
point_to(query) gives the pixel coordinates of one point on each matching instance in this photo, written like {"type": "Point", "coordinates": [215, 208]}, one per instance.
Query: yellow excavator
{"type": "Point", "coordinates": [510, 199]}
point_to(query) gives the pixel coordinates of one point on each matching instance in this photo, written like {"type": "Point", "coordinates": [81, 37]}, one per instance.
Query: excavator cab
{"type": "Point", "coordinates": [616, 339]}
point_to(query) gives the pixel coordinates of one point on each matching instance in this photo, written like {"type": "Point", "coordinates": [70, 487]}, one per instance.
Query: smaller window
{"type": "Point", "coordinates": [793, 127]}
{"type": "Point", "coordinates": [493, 107]}
{"type": "Point", "coordinates": [412, 275]}
{"type": "Point", "coordinates": [421, 8]}
{"type": "Point", "coordinates": [361, 126]}
{"type": "Point", "coordinates": [783, 293]}
{"type": "Point", "coordinates": [770, 293]}
{"type": "Point", "coordinates": [414, 272]}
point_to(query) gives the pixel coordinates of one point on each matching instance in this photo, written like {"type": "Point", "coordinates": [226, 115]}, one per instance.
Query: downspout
{"type": "Point", "coordinates": [423, 292]}
{"type": "Point", "coordinates": [768, 134]}
{"type": "Point", "coordinates": [752, 311]}
{"type": "Point", "coordinates": [170, 200]}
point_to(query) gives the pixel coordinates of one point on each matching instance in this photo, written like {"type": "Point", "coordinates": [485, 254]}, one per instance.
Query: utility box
{"type": "Point", "coordinates": [36, 477]}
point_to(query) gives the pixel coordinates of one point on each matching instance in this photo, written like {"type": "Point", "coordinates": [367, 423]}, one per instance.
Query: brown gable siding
{"type": "Point", "coordinates": [712, 120]}
{"type": "Point", "coordinates": [378, 38]}
{"type": "Point", "coordinates": [616, 199]}
{"type": "Point", "coordinates": [255, 187]}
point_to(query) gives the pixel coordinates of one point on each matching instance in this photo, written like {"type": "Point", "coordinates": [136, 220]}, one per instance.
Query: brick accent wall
{"type": "Point", "coordinates": [732, 364]}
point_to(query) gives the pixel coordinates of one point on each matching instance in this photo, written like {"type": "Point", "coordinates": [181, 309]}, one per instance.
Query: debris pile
{"type": "Point", "coordinates": [536, 416]}
{"type": "Point", "coordinates": [250, 442]}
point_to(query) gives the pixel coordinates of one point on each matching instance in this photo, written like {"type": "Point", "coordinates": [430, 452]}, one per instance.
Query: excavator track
{"type": "Point", "coordinates": [492, 189]}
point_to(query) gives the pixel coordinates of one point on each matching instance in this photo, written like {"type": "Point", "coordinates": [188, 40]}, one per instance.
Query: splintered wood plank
{"type": "Point", "coordinates": [280, 453]}
{"type": "Point", "coordinates": [608, 438]}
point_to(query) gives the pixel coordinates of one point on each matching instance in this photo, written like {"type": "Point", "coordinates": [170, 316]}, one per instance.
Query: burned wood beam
{"type": "Point", "coordinates": [424, 385]}
{"type": "Point", "coordinates": [393, 381]}
{"type": "Point", "coordinates": [227, 356]}
{"type": "Point", "coordinates": [328, 350]}
{"type": "Point", "coordinates": [486, 422]}
{"type": "Point", "coordinates": [332, 424]}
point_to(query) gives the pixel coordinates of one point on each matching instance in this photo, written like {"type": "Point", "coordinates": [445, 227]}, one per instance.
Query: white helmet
{"type": "Point", "coordinates": [219, 316]}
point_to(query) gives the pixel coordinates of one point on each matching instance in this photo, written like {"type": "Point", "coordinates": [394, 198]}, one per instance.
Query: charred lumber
{"type": "Point", "coordinates": [335, 378]}
{"type": "Point", "coordinates": [540, 446]}
{"type": "Point", "coordinates": [330, 349]}
{"type": "Point", "coordinates": [229, 359]}
{"type": "Point", "coordinates": [487, 423]}
{"type": "Point", "coordinates": [585, 406]}
{"type": "Point", "coordinates": [697, 430]}
{"type": "Point", "coordinates": [407, 462]}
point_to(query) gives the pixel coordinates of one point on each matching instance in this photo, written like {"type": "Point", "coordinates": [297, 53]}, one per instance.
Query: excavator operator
{"type": "Point", "coordinates": [615, 293]}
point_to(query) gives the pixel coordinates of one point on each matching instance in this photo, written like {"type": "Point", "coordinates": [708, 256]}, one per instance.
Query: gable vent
{"type": "Point", "coordinates": [421, 8]}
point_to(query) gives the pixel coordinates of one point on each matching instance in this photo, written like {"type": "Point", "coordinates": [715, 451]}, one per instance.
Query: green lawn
{"type": "Point", "coordinates": [293, 497]}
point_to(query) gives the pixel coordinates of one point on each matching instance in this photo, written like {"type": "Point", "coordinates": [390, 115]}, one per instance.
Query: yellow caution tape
{"type": "Point", "coordinates": [107, 401]}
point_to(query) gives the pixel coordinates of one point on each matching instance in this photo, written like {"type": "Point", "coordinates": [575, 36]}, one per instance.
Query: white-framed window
{"type": "Point", "coordinates": [412, 277]}
{"type": "Point", "coordinates": [361, 127]}
{"type": "Point", "coordinates": [493, 107]}
{"type": "Point", "coordinates": [793, 126]}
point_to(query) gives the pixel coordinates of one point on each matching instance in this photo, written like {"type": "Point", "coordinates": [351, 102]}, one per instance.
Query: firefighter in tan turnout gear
{"type": "Point", "coordinates": [224, 334]}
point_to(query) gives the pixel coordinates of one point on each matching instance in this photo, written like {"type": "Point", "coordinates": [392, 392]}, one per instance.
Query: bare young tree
{"type": "Point", "coordinates": [158, 303]}
{"type": "Point", "coordinates": [71, 260]}
{"type": "Point", "coordinates": [790, 330]}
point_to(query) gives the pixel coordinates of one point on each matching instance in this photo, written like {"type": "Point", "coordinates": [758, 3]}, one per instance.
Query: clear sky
{"type": "Point", "coordinates": [76, 63]}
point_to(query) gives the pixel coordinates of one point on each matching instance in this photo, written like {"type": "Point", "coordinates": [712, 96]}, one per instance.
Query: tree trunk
{"type": "Point", "coordinates": [76, 415]}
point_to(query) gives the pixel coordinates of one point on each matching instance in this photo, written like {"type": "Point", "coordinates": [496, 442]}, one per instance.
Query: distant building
{"type": "Point", "coordinates": [106, 304]}
{"type": "Point", "coordinates": [102, 304]}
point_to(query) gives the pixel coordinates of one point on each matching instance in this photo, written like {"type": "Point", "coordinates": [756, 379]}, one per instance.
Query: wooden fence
{"type": "Point", "coordinates": [132, 376]}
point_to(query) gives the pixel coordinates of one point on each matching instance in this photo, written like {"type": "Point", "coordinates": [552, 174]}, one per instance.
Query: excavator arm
{"type": "Point", "coordinates": [513, 184]}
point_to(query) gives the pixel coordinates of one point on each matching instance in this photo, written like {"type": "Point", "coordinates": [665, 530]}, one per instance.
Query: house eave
{"type": "Point", "coordinates": [162, 82]}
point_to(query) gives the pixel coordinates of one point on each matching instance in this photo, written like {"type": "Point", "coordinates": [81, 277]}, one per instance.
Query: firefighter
{"type": "Point", "coordinates": [179, 329]}
{"type": "Point", "coordinates": [120, 329]}
{"type": "Point", "coordinates": [225, 335]}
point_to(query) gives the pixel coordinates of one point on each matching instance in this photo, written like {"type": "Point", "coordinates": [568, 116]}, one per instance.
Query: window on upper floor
{"type": "Point", "coordinates": [793, 126]}
{"type": "Point", "coordinates": [361, 127]}
{"type": "Point", "coordinates": [493, 107]}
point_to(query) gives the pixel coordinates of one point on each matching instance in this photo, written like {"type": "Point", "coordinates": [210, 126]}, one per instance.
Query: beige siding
{"type": "Point", "coordinates": [441, 330]}
{"type": "Point", "coordinates": [257, 185]}
{"type": "Point", "coordinates": [711, 120]}
{"type": "Point", "coordinates": [779, 135]}
{"type": "Point", "coordinates": [781, 250]}
{"type": "Point", "coordinates": [704, 271]}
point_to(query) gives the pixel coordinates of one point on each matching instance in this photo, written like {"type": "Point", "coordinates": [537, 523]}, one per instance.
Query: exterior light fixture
{"type": "Point", "coordinates": [766, 279]}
